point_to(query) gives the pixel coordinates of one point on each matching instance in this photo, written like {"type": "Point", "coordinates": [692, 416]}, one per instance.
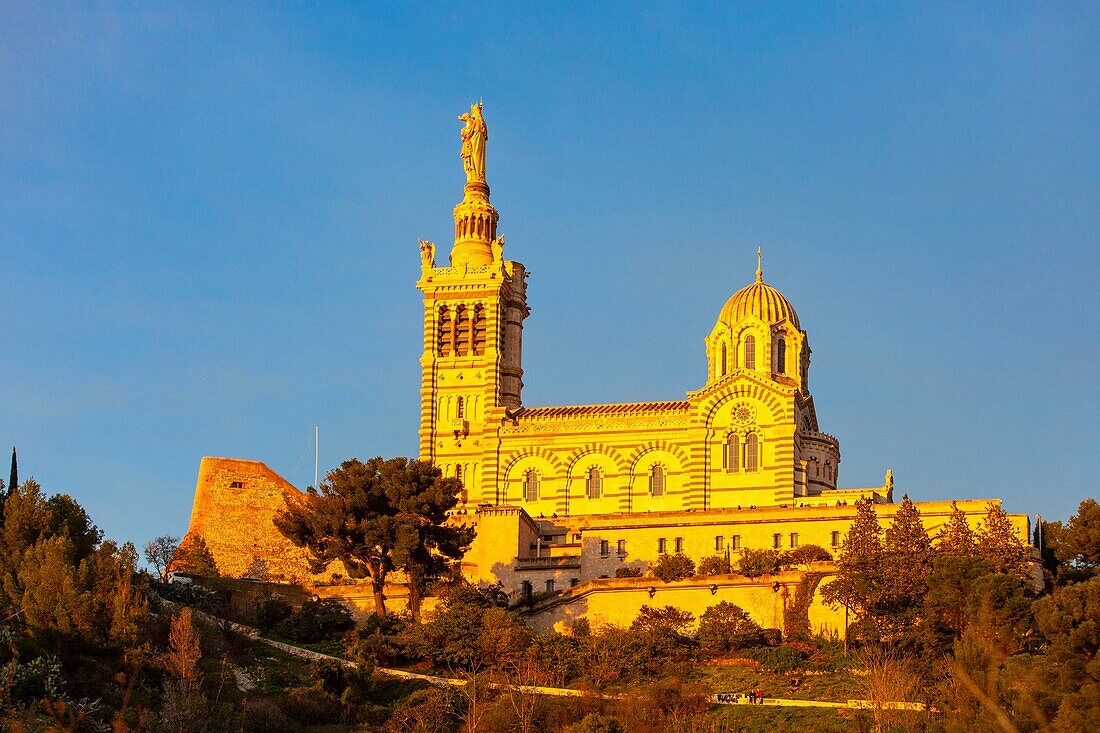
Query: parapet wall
{"type": "Point", "coordinates": [235, 503]}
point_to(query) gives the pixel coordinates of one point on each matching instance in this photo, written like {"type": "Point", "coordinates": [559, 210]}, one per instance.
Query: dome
{"type": "Point", "coordinates": [762, 301]}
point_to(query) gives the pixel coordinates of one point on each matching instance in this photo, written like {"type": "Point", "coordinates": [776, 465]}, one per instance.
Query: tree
{"type": "Point", "coordinates": [669, 620]}
{"type": "Point", "coordinates": [754, 563]}
{"type": "Point", "coordinates": [376, 516]}
{"type": "Point", "coordinates": [999, 544]}
{"type": "Point", "coordinates": [257, 569]}
{"type": "Point", "coordinates": [906, 565]}
{"type": "Point", "coordinates": [69, 518]}
{"type": "Point", "coordinates": [13, 477]}
{"type": "Point", "coordinates": [159, 552]}
{"type": "Point", "coordinates": [193, 556]}
{"type": "Point", "coordinates": [956, 538]}
{"type": "Point", "coordinates": [674, 567]}
{"type": "Point", "coordinates": [426, 542]}
{"type": "Point", "coordinates": [858, 583]}
{"type": "Point", "coordinates": [950, 587]}
{"type": "Point", "coordinates": [714, 565]}
{"type": "Point", "coordinates": [725, 627]}
{"type": "Point", "coordinates": [806, 554]}
{"type": "Point", "coordinates": [1078, 544]}
{"type": "Point", "coordinates": [1070, 619]}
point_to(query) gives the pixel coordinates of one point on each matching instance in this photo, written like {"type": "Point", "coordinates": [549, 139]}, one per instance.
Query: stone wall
{"type": "Point", "coordinates": [235, 503]}
{"type": "Point", "coordinates": [617, 601]}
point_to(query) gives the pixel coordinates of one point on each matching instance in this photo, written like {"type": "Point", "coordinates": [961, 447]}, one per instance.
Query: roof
{"type": "Point", "coordinates": [762, 301]}
{"type": "Point", "coordinates": [626, 408]}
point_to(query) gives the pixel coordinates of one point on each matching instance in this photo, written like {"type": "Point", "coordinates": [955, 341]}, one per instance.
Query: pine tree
{"type": "Point", "coordinates": [859, 577]}
{"type": "Point", "coordinates": [907, 563]}
{"type": "Point", "coordinates": [956, 538]}
{"type": "Point", "coordinates": [999, 544]}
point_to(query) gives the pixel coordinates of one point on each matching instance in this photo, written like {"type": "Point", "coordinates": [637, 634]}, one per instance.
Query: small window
{"type": "Point", "coordinates": [237, 485]}
{"type": "Point", "coordinates": [719, 543]}
{"type": "Point", "coordinates": [752, 452]}
{"type": "Point", "coordinates": [777, 539]}
{"type": "Point", "coordinates": [549, 586]}
{"type": "Point", "coordinates": [679, 544]}
{"type": "Point", "coordinates": [723, 357]}
{"type": "Point", "coordinates": [527, 589]}
{"type": "Point", "coordinates": [593, 484]}
{"type": "Point", "coordinates": [620, 548]}
{"type": "Point", "coordinates": [750, 352]}
{"type": "Point", "coordinates": [531, 486]}
{"type": "Point", "coordinates": [735, 542]}
{"type": "Point", "coordinates": [662, 546]}
{"type": "Point", "coordinates": [460, 408]}
{"type": "Point", "coordinates": [573, 582]}
{"type": "Point", "coordinates": [730, 454]}
{"type": "Point", "coordinates": [458, 472]}
{"type": "Point", "coordinates": [781, 356]}
{"type": "Point", "coordinates": [794, 539]}
{"type": "Point", "coordinates": [657, 481]}
{"type": "Point", "coordinates": [605, 548]}
{"type": "Point", "coordinates": [836, 539]}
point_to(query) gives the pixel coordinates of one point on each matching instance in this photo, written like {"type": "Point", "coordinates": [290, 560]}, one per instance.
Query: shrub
{"type": "Point", "coordinates": [668, 619]}
{"type": "Point", "coordinates": [316, 620]}
{"type": "Point", "coordinates": [753, 563]}
{"type": "Point", "coordinates": [596, 723]}
{"type": "Point", "coordinates": [628, 572]}
{"type": "Point", "coordinates": [674, 567]}
{"type": "Point", "coordinates": [271, 611]}
{"type": "Point", "coordinates": [264, 716]}
{"type": "Point", "coordinates": [714, 565]}
{"type": "Point", "coordinates": [806, 554]}
{"type": "Point", "coordinates": [725, 627]}
{"type": "Point", "coordinates": [775, 659]}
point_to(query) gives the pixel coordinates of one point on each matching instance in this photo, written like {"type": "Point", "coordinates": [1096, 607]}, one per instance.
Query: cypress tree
{"type": "Point", "coordinates": [13, 482]}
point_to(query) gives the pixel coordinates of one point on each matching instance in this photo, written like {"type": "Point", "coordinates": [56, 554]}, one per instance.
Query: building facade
{"type": "Point", "coordinates": [567, 495]}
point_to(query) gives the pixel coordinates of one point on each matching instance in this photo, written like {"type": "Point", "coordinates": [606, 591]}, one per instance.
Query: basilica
{"type": "Point", "coordinates": [570, 501]}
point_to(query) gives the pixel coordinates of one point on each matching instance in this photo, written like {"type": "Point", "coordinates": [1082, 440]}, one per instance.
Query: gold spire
{"type": "Point", "coordinates": [475, 217]}
{"type": "Point", "coordinates": [759, 271]}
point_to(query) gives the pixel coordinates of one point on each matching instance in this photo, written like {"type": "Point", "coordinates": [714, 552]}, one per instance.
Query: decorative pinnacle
{"type": "Point", "coordinates": [759, 271]}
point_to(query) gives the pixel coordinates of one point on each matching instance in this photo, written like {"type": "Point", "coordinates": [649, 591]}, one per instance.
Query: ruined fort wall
{"type": "Point", "coordinates": [235, 503]}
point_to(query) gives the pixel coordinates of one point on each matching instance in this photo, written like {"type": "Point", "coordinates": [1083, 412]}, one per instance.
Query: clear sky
{"type": "Point", "coordinates": [209, 216]}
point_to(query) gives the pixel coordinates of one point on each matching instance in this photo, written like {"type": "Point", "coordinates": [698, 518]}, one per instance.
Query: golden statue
{"type": "Point", "coordinates": [474, 135]}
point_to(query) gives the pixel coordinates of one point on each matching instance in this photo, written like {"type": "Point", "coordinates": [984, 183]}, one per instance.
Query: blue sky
{"type": "Point", "coordinates": [209, 216]}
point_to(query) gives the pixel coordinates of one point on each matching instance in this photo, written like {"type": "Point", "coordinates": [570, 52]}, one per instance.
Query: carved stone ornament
{"type": "Point", "coordinates": [743, 413]}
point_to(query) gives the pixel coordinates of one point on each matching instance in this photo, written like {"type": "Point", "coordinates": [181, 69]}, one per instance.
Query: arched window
{"type": "Point", "coordinates": [531, 485]}
{"type": "Point", "coordinates": [460, 408]}
{"type": "Point", "coordinates": [781, 356]}
{"type": "Point", "coordinates": [730, 454]}
{"type": "Point", "coordinates": [458, 472]}
{"type": "Point", "coordinates": [479, 330]}
{"type": "Point", "coordinates": [656, 481]}
{"type": "Point", "coordinates": [750, 352]}
{"type": "Point", "coordinates": [462, 331]}
{"type": "Point", "coordinates": [444, 331]}
{"type": "Point", "coordinates": [723, 357]}
{"type": "Point", "coordinates": [752, 452]}
{"type": "Point", "coordinates": [594, 483]}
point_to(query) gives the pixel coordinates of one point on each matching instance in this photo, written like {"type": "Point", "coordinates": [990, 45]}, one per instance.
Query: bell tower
{"type": "Point", "coordinates": [474, 307]}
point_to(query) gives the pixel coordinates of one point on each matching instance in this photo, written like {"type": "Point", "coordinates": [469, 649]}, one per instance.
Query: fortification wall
{"type": "Point", "coordinates": [618, 601]}
{"type": "Point", "coordinates": [235, 503]}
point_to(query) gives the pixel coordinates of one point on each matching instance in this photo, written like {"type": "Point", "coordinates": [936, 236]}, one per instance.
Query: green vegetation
{"type": "Point", "coordinates": [90, 642]}
{"type": "Point", "coordinates": [377, 516]}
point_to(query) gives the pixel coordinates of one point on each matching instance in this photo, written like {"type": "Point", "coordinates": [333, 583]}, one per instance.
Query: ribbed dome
{"type": "Point", "coordinates": [761, 300]}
